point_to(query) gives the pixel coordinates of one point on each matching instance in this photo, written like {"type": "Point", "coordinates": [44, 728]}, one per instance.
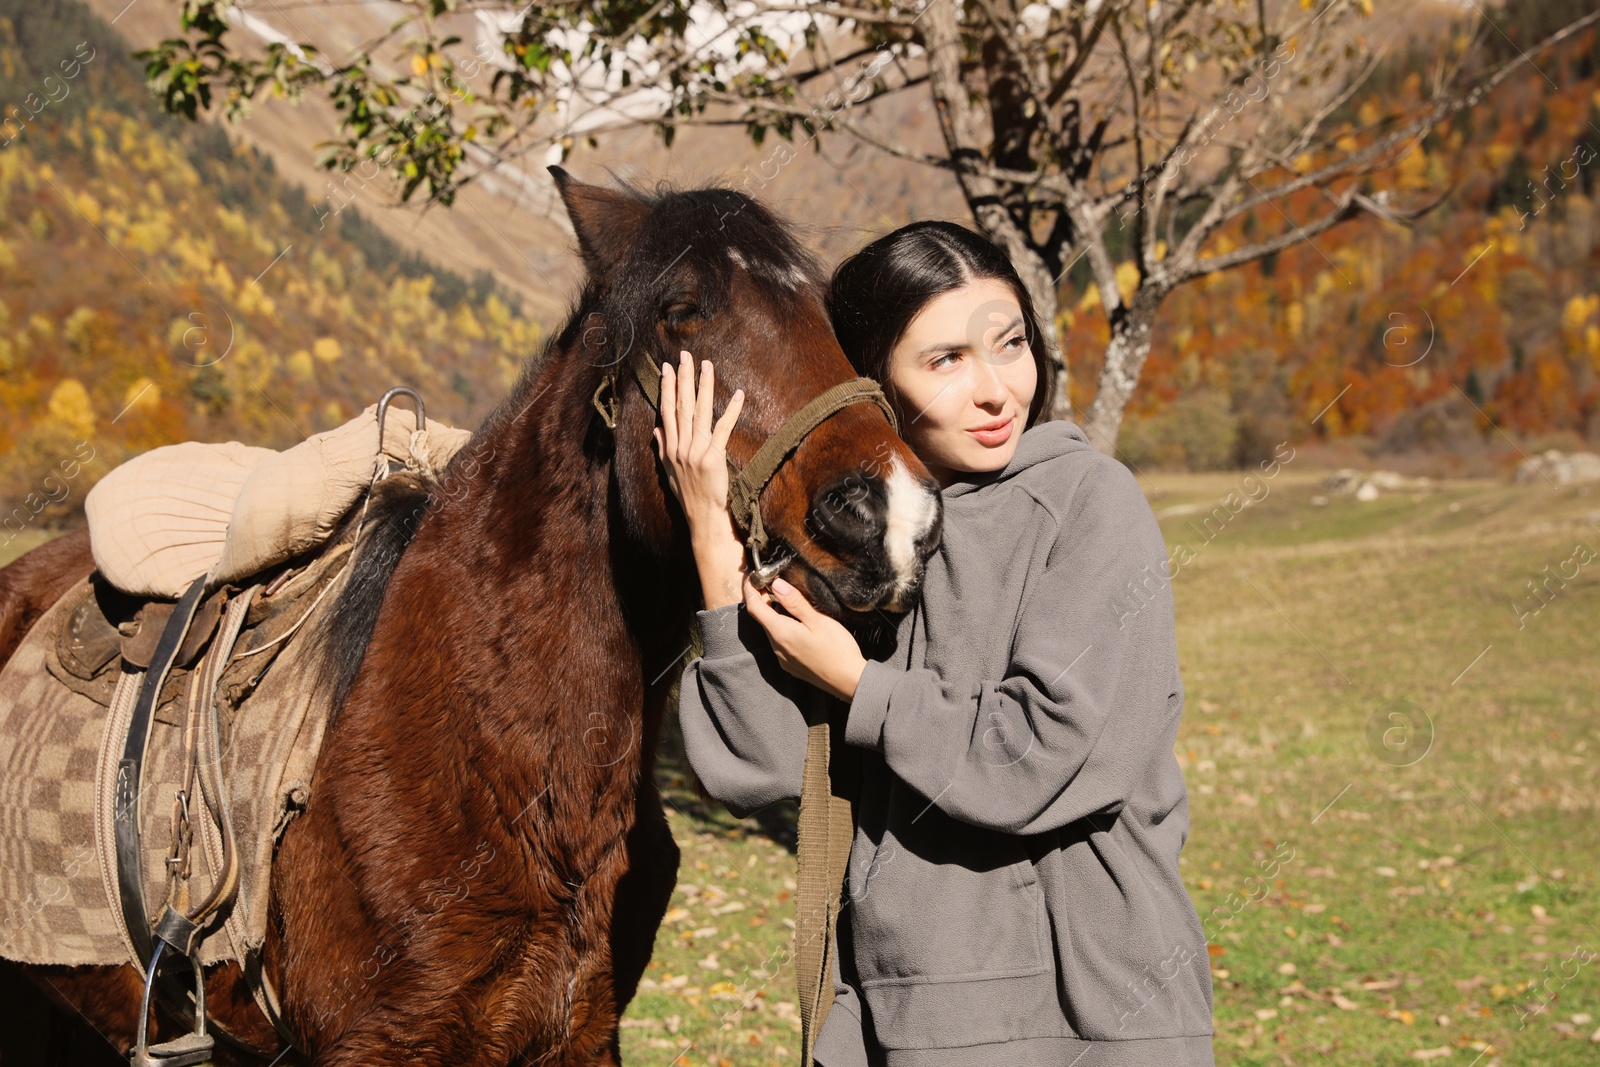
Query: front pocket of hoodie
{"type": "Point", "coordinates": [955, 904]}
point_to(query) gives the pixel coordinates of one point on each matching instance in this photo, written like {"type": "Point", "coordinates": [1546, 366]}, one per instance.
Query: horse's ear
{"type": "Point", "coordinates": [606, 221]}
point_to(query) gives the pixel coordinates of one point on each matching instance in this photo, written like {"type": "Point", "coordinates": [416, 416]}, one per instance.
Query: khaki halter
{"type": "Point", "coordinates": [826, 826]}
{"type": "Point", "coordinates": [745, 486]}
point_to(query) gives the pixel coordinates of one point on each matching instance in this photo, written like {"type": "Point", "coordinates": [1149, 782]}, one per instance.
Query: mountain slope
{"type": "Point", "coordinates": [156, 285]}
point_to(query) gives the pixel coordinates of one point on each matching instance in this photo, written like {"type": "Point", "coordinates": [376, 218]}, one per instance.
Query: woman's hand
{"type": "Point", "coordinates": [813, 647]}
{"type": "Point", "coordinates": [694, 452]}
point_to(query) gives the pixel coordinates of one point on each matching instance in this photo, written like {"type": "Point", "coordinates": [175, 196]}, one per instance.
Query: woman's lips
{"type": "Point", "coordinates": [997, 436]}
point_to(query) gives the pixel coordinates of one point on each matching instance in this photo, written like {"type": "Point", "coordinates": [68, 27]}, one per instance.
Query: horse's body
{"type": "Point", "coordinates": [484, 861]}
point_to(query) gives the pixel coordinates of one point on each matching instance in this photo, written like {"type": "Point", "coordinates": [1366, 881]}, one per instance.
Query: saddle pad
{"type": "Point", "coordinates": [229, 510]}
{"type": "Point", "coordinates": [59, 749]}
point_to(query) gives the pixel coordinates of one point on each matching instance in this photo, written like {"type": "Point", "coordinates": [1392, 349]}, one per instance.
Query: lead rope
{"type": "Point", "coordinates": [826, 826]}
{"type": "Point", "coordinates": [826, 830]}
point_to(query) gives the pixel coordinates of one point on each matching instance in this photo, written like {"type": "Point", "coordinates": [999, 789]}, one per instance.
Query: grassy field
{"type": "Point", "coordinates": [1362, 706]}
{"type": "Point", "coordinates": [1366, 705]}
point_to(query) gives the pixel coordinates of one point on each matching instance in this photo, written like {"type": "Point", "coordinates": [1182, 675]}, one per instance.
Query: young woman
{"type": "Point", "coordinates": [1013, 896]}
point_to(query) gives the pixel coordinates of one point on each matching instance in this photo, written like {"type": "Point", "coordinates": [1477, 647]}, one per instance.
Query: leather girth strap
{"type": "Point", "coordinates": [826, 831]}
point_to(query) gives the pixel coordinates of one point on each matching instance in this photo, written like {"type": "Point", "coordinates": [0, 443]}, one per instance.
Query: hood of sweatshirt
{"type": "Point", "coordinates": [1043, 441]}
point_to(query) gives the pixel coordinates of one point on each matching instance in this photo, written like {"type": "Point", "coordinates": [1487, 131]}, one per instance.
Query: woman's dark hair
{"type": "Point", "coordinates": [874, 295]}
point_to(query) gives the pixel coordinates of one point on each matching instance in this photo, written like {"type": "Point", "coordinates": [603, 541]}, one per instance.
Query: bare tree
{"type": "Point", "coordinates": [1128, 134]}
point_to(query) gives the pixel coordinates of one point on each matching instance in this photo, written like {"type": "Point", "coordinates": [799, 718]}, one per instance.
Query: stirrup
{"type": "Point", "coordinates": [184, 1051]}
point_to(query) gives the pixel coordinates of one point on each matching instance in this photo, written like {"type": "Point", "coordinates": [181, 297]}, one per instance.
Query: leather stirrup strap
{"type": "Point", "coordinates": [826, 830]}
{"type": "Point", "coordinates": [130, 770]}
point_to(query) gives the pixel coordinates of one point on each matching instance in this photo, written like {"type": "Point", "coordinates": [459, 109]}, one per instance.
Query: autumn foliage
{"type": "Point", "coordinates": [156, 285]}
{"type": "Point", "coordinates": [1480, 325]}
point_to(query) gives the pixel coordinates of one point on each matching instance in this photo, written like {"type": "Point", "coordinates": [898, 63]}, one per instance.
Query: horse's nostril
{"type": "Point", "coordinates": [848, 515]}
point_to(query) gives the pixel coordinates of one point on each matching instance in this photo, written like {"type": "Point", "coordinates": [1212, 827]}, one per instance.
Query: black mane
{"type": "Point", "coordinates": [394, 511]}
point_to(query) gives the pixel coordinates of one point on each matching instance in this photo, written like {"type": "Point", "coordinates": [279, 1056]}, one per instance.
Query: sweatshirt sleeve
{"type": "Point", "coordinates": [743, 730]}
{"type": "Point", "coordinates": [1092, 690]}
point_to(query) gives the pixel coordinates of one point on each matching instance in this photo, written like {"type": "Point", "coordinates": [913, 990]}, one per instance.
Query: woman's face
{"type": "Point", "coordinates": [965, 376]}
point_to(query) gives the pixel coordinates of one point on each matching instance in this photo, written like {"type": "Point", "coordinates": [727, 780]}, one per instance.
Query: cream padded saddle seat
{"type": "Point", "coordinates": [230, 510]}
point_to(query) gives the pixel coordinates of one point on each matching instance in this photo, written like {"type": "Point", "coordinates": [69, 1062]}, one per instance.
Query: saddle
{"type": "Point", "coordinates": [210, 558]}
{"type": "Point", "coordinates": [174, 678]}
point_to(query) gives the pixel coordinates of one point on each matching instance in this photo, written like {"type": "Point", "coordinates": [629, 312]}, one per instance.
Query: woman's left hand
{"type": "Point", "coordinates": [813, 647]}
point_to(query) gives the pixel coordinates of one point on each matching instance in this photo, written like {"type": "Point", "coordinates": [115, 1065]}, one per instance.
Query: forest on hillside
{"type": "Point", "coordinates": [158, 285]}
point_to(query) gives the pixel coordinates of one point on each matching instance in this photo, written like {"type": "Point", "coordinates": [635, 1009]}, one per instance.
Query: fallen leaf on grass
{"type": "Point", "coordinates": [1344, 1003]}
{"type": "Point", "coordinates": [1432, 1053]}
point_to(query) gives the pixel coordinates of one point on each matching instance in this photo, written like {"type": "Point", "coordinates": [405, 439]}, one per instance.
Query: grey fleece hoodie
{"type": "Point", "coordinates": [1013, 896]}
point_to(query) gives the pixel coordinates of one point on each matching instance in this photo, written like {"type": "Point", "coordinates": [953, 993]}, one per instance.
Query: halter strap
{"type": "Point", "coordinates": [745, 486]}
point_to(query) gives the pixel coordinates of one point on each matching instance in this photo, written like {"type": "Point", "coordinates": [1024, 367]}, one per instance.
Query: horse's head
{"type": "Point", "coordinates": [853, 510]}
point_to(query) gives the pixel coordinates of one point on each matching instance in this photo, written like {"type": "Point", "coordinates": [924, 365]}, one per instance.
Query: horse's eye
{"type": "Point", "coordinates": [680, 311]}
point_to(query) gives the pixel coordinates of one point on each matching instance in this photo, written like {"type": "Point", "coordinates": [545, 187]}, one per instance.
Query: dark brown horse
{"type": "Point", "coordinates": [484, 861]}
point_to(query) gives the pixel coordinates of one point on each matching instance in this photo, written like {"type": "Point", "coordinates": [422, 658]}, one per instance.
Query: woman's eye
{"type": "Point", "coordinates": [938, 361]}
{"type": "Point", "coordinates": [1017, 341]}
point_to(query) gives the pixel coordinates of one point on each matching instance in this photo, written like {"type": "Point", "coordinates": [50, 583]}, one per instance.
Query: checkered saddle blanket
{"type": "Point", "coordinates": [66, 700]}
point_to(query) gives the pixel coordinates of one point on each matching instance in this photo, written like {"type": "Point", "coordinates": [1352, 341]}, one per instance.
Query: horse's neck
{"type": "Point", "coordinates": [521, 545]}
